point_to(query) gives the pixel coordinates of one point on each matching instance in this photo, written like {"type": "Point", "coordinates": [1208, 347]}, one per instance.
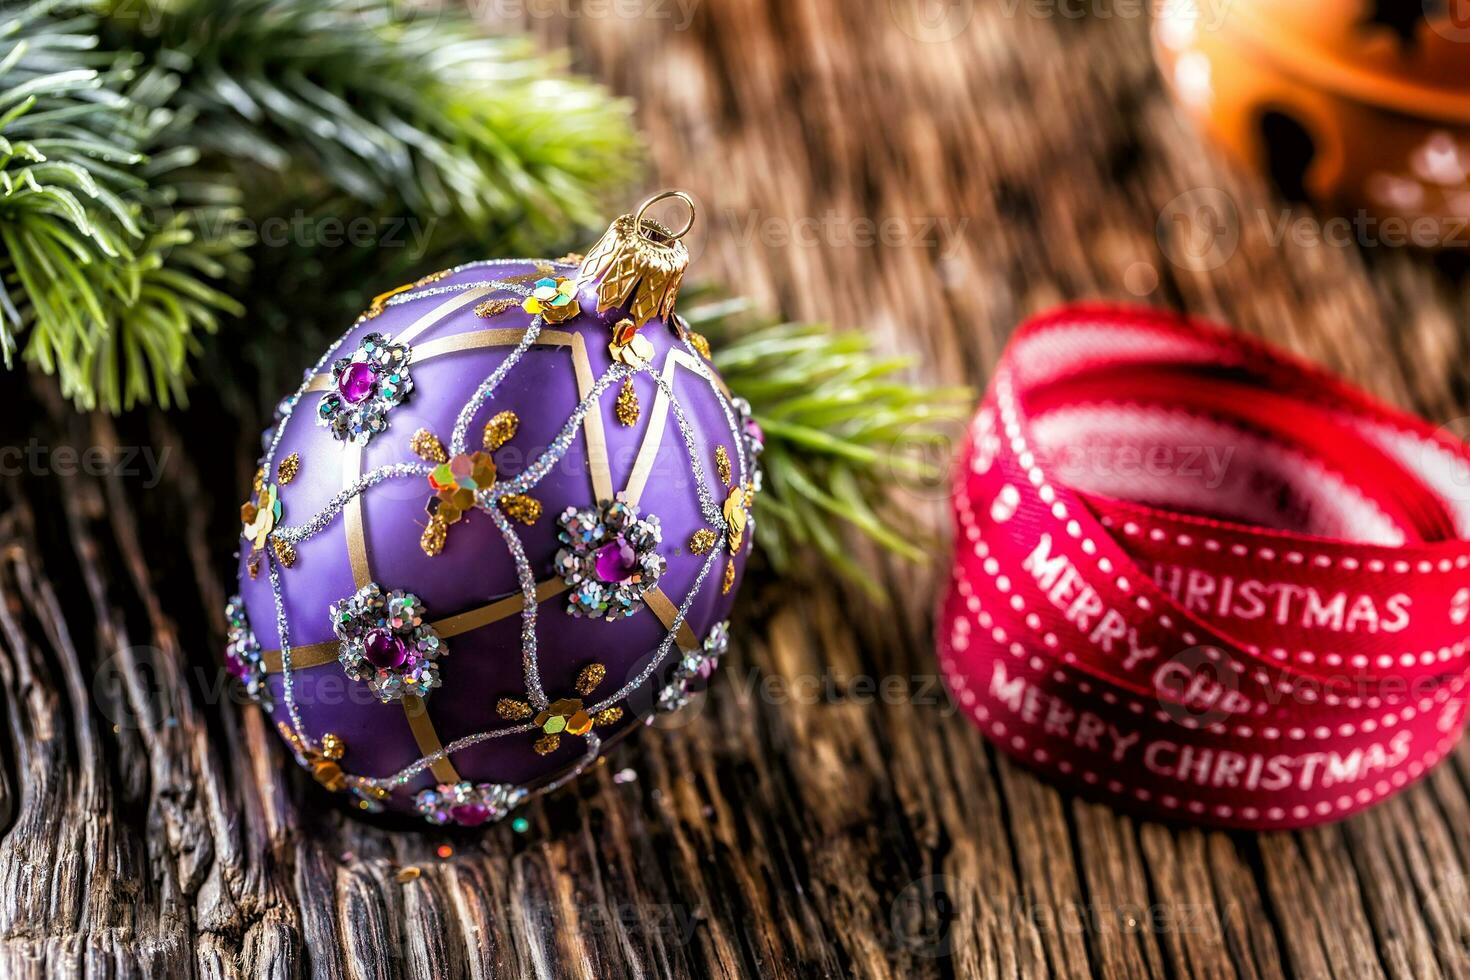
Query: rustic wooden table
{"type": "Point", "coordinates": [799, 825]}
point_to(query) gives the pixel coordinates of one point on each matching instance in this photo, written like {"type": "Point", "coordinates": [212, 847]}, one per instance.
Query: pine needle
{"type": "Point", "coordinates": [849, 439]}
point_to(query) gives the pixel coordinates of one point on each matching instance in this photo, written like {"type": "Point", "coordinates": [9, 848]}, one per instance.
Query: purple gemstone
{"type": "Point", "coordinates": [617, 561]}
{"type": "Point", "coordinates": [384, 650]}
{"type": "Point", "coordinates": [469, 814]}
{"type": "Point", "coordinates": [753, 429]}
{"type": "Point", "coordinates": [236, 666]}
{"type": "Point", "coordinates": [357, 382]}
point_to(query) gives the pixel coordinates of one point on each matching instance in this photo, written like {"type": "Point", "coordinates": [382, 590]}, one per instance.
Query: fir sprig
{"type": "Point", "coordinates": [144, 142]}
{"type": "Point", "coordinates": [406, 111]}
{"type": "Point", "coordinates": [94, 288]}
{"type": "Point", "coordinates": [849, 440]}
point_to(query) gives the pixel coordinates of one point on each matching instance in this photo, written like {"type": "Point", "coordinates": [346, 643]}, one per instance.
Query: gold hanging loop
{"type": "Point", "coordinates": [666, 196]}
{"type": "Point", "coordinates": [639, 264]}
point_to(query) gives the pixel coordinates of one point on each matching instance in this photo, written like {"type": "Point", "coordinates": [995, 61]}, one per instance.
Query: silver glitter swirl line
{"type": "Point", "coordinates": [456, 287]}
{"type": "Point", "coordinates": [407, 773]}
{"type": "Point", "coordinates": [594, 747]}
{"type": "Point", "coordinates": [404, 776]}
{"type": "Point", "coordinates": [536, 472]}
{"type": "Point", "coordinates": [712, 510]}
{"type": "Point", "coordinates": [737, 432]}
{"type": "Point", "coordinates": [283, 634]}
{"type": "Point", "coordinates": [529, 607]}
{"type": "Point", "coordinates": [663, 649]}
{"type": "Point", "coordinates": [323, 518]}
{"type": "Point", "coordinates": [491, 263]}
{"type": "Point", "coordinates": [488, 386]}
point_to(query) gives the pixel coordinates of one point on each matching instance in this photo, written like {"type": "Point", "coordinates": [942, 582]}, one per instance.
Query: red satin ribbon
{"type": "Point", "coordinates": [1205, 579]}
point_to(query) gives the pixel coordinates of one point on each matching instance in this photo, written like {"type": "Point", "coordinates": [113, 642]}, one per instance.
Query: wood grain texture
{"type": "Point", "coordinates": [800, 824]}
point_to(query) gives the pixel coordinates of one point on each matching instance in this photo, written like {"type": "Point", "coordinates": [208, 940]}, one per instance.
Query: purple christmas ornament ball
{"type": "Point", "coordinates": [502, 522]}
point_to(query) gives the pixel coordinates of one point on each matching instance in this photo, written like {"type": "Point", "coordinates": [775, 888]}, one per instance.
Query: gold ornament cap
{"type": "Point", "coordinates": [639, 263]}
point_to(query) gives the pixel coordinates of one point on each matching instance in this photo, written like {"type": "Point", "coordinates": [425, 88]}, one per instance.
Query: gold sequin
{"type": "Point", "coordinates": [700, 343]}
{"type": "Point", "coordinates": [501, 429]}
{"type": "Point", "coordinates": [729, 582]}
{"type": "Point", "coordinates": [626, 407]}
{"type": "Point", "coordinates": [427, 447]}
{"type": "Point", "coordinates": [722, 464]}
{"type": "Point", "coordinates": [703, 541]}
{"type": "Point", "coordinates": [436, 533]}
{"type": "Point", "coordinates": [285, 551]}
{"type": "Point", "coordinates": [253, 563]}
{"type": "Point", "coordinates": [547, 744]}
{"type": "Point", "coordinates": [513, 710]}
{"type": "Point", "coordinates": [433, 277]}
{"type": "Point", "coordinates": [590, 676]}
{"type": "Point", "coordinates": [288, 469]}
{"type": "Point", "coordinates": [259, 483]}
{"type": "Point", "coordinates": [607, 716]}
{"type": "Point", "coordinates": [497, 306]}
{"type": "Point", "coordinates": [737, 516]}
{"type": "Point", "coordinates": [333, 747]}
{"type": "Point", "coordinates": [518, 506]}
{"type": "Point", "coordinates": [571, 258]}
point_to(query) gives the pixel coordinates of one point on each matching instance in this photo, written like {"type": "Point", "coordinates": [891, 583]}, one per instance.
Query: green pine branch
{"type": "Point", "coordinates": [146, 142]}
{"type": "Point", "coordinates": [403, 111]}
{"type": "Point", "coordinates": [92, 287]}
{"type": "Point", "coordinates": [849, 441]}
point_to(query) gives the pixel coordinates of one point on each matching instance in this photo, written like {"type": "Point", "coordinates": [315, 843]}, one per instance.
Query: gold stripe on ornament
{"type": "Point", "coordinates": [422, 727]}
{"type": "Point", "coordinates": [657, 421]}
{"type": "Point", "coordinates": [409, 333]}
{"type": "Point", "coordinates": [352, 518]}
{"type": "Point", "coordinates": [496, 611]}
{"type": "Point", "coordinates": [313, 655]}
{"type": "Point", "coordinates": [317, 654]}
{"type": "Point", "coordinates": [666, 611]}
{"type": "Point", "coordinates": [602, 488]}
{"type": "Point", "coordinates": [323, 381]}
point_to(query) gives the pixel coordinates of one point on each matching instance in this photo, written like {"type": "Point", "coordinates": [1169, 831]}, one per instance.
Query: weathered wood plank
{"type": "Point", "coordinates": [798, 825]}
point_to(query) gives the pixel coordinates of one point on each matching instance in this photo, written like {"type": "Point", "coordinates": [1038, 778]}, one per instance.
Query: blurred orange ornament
{"type": "Point", "coordinates": [1363, 104]}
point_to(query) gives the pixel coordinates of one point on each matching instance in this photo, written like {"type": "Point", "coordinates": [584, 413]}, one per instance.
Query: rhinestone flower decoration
{"type": "Point", "coordinates": [242, 654]}
{"type": "Point", "coordinates": [694, 668]}
{"type": "Point", "coordinates": [554, 300]}
{"type": "Point", "coordinates": [564, 716]}
{"type": "Point", "coordinates": [365, 386]}
{"type": "Point", "coordinates": [468, 804]}
{"type": "Point", "coordinates": [609, 559]}
{"type": "Point", "coordinates": [385, 642]}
